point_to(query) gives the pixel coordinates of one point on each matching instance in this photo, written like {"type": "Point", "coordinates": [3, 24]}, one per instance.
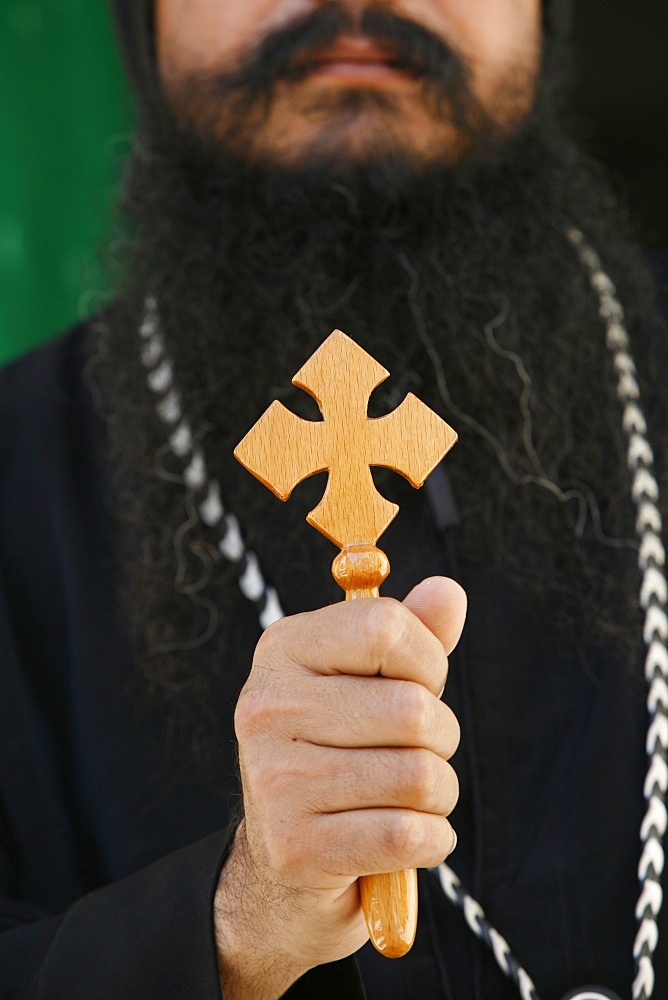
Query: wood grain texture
{"type": "Point", "coordinates": [281, 450]}
{"type": "Point", "coordinates": [390, 905]}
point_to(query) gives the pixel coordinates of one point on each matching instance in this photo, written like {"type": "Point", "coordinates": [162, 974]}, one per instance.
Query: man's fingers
{"type": "Point", "coordinates": [366, 638]}
{"type": "Point", "coordinates": [354, 712]}
{"type": "Point", "coordinates": [344, 743]}
{"type": "Point", "coordinates": [440, 604]}
{"type": "Point", "coordinates": [365, 842]}
{"type": "Point", "coordinates": [332, 780]}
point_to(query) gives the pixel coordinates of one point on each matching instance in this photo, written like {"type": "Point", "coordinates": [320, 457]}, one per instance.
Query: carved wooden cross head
{"type": "Point", "coordinates": [281, 450]}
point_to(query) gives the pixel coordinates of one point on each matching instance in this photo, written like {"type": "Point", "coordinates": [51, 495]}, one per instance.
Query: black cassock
{"type": "Point", "coordinates": [107, 866]}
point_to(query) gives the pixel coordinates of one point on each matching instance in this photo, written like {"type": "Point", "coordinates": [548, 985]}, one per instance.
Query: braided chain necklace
{"type": "Point", "coordinates": [653, 600]}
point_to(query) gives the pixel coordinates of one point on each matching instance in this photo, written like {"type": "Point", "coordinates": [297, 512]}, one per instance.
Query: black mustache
{"type": "Point", "coordinates": [287, 53]}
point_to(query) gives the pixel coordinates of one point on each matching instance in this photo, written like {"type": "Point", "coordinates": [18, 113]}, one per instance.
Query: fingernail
{"type": "Point", "coordinates": [455, 842]}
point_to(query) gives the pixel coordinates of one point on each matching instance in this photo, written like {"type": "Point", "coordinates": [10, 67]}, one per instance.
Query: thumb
{"type": "Point", "coordinates": [440, 604]}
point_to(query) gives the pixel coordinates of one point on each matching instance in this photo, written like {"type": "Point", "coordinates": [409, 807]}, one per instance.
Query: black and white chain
{"type": "Point", "coordinates": [483, 929]}
{"type": "Point", "coordinates": [653, 597]}
{"type": "Point", "coordinates": [183, 444]}
{"type": "Point", "coordinates": [653, 600]}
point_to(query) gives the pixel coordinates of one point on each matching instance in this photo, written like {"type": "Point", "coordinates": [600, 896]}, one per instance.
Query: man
{"type": "Point", "coordinates": [400, 172]}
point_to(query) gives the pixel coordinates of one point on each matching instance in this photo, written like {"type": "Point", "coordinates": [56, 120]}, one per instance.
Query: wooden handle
{"type": "Point", "coordinates": [281, 450]}
{"type": "Point", "coordinates": [389, 902]}
{"type": "Point", "coordinates": [390, 905]}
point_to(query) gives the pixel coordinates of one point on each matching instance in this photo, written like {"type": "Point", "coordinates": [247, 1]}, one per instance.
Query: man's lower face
{"type": "Point", "coordinates": [325, 88]}
{"type": "Point", "coordinates": [312, 123]}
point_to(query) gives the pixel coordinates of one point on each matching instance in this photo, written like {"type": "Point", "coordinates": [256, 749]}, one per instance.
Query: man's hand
{"type": "Point", "coordinates": [344, 747]}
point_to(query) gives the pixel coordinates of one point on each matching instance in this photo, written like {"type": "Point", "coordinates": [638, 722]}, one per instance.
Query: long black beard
{"type": "Point", "coordinates": [461, 281]}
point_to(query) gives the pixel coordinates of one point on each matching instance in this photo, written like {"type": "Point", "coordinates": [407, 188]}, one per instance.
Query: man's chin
{"type": "Point", "coordinates": [350, 127]}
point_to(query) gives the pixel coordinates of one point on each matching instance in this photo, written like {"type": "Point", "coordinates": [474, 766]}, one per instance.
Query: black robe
{"type": "Point", "coordinates": [108, 867]}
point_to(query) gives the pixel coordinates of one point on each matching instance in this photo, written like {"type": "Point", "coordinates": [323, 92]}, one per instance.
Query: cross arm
{"type": "Point", "coordinates": [281, 450]}
{"type": "Point", "coordinates": [412, 440]}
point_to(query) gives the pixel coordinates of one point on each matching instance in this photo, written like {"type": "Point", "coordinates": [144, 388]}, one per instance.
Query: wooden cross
{"type": "Point", "coordinates": [281, 450]}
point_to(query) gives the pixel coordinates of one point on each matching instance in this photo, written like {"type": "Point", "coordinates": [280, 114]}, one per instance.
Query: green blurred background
{"type": "Point", "coordinates": [65, 119]}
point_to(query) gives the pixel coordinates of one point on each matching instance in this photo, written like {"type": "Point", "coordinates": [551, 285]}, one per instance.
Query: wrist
{"type": "Point", "coordinates": [250, 922]}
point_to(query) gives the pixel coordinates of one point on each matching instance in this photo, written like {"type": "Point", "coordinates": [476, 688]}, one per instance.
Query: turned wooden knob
{"type": "Point", "coordinates": [360, 570]}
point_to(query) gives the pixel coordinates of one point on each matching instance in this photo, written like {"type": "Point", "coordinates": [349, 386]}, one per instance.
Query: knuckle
{"type": "Point", "coordinates": [426, 782]}
{"type": "Point", "coordinates": [243, 714]}
{"type": "Point", "coordinates": [385, 628]}
{"type": "Point", "coordinates": [404, 838]}
{"type": "Point", "coordinates": [261, 777]}
{"type": "Point", "coordinates": [279, 781]}
{"type": "Point", "coordinates": [415, 710]}
{"type": "Point", "coordinates": [422, 777]}
{"type": "Point", "coordinates": [413, 840]}
{"type": "Point", "coordinates": [259, 699]}
{"type": "Point", "coordinates": [268, 706]}
{"type": "Point", "coordinates": [272, 642]}
{"type": "Point", "coordinates": [253, 711]}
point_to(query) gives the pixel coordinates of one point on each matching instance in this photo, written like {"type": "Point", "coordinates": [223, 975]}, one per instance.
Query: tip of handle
{"type": "Point", "coordinates": [390, 909]}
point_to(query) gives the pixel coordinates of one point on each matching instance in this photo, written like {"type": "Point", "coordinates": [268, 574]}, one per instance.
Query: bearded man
{"type": "Point", "coordinates": [402, 172]}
